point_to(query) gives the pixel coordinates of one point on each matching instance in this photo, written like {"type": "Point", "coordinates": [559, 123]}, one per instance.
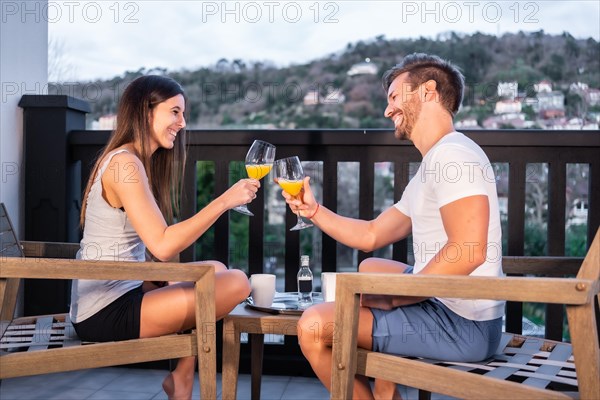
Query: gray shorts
{"type": "Point", "coordinates": [429, 329]}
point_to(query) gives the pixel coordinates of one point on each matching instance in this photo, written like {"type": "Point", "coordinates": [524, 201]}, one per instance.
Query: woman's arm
{"type": "Point", "coordinates": [125, 184]}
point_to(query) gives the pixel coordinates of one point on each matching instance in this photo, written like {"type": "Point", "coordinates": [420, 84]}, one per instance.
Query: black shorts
{"type": "Point", "coordinates": [120, 320]}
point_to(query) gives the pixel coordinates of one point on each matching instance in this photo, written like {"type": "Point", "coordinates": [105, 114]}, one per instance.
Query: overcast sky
{"type": "Point", "coordinates": [102, 39]}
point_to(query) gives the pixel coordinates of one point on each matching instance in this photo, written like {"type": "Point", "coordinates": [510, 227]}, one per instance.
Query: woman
{"type": "Point", "coordinates": [128, 206]}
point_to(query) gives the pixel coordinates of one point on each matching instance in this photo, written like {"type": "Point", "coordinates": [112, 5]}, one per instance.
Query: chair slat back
{"type": "Point", "coordinates": [9, 244]}
{"type": "Point", "coordinates": [9, 288]}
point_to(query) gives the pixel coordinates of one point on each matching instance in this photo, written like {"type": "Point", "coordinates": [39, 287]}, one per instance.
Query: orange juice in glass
{"type": "Point", "coordinates": [258, 171]}
{"type": "Point", "coordinates": [291, 187]}
{"type": "Point", "coordinates": [290, 176]}
{"type": "Point", "coordinates": [259, 162]}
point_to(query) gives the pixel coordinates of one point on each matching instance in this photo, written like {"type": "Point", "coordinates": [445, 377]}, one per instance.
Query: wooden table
{"type": "Point", "coordinates": [256, 324]}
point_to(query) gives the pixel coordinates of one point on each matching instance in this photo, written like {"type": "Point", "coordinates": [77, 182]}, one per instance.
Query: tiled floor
{"type": "Point", "coordinates": [145, 384]}
{"type": "Point", "coordinates": [138, 384]}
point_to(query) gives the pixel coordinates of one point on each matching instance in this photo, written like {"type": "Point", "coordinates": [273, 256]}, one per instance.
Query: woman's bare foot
{"type": "Point", "coordinates": [177, 388]}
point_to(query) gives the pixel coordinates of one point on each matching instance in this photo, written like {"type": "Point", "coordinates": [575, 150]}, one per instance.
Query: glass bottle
{"type": "Point", "coordinates": [305, 283]}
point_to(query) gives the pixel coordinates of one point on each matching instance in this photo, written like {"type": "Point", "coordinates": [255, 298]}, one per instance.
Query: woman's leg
{"type": "Point", "coordinates": [315, 335]}
{"type": "Point", "coordinates": [172, 309]}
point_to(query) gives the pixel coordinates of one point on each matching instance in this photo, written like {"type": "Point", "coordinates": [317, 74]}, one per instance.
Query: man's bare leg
{"type": "Point", "coordinates": [315, 335]}
{"type": "Point", "coordinates": [383, 389]}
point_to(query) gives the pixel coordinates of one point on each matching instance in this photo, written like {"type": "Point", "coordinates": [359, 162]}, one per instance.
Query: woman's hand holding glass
{"type": "Point", "coordinates": [242, 192]}
{"type": "Point", "coordinates": [290, 176]}
{"type": "Point", "coordinates": [259, 162]}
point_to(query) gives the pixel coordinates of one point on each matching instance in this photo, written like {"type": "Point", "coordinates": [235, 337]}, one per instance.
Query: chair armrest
{"type": "Point", "coordinates": [55, 268]}
{"type": "Point", "coordinates": [524, 289]}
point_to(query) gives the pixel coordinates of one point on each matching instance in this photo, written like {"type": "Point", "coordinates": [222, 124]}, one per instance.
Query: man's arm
{"type": "Point", "coordinates": [389, 227]}
{"type": "Point", "coordinates": [466, 223]}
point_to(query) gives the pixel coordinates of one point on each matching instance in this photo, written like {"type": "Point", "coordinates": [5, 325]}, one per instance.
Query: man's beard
{"type": "Point", "coordinates": [410, 115]}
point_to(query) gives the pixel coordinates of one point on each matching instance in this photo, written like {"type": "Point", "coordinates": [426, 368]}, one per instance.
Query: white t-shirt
{"type": "Point", "coordinates": [454, 168]}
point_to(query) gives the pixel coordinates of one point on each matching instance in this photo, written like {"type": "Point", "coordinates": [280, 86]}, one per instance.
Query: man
{"type": "Point", "coordinates": [451, 208]}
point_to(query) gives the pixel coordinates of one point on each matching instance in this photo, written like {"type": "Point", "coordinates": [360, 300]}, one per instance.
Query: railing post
{"type": "Point", "coordinates": [52, 188]}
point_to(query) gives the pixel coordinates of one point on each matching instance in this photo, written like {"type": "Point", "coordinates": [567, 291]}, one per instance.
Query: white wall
{"type": "Point", "coordinates": [23, 70]}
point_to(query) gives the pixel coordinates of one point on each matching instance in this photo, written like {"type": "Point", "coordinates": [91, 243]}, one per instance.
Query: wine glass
{"type": "Point", "coordinates": [259, 162]}
{"type": "Point", "coordinates": [290, 176]}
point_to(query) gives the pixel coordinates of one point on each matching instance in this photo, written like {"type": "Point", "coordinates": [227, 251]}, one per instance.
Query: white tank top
{"type": "Point", "coordinates": [107, 235]}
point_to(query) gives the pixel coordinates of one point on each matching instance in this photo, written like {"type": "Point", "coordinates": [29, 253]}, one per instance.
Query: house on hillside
{"type": "Point", "coordinates": [106, 122]}
{"type": "Point", "coordinates": [550, 104]}
{"type": "Point", "coordinates": [569, 124]}
{"type": "Point", "coordinates": [507, 107]}
{"type": "Point", "coordinates": [363, 68]}
{"type": "Point", "coordinates": [578, 87]}
{"type": "Point", "coordinates": [467, 123]}
{"type": "Point", "coordinates": [543, 87]}
{"type": "Point", "coordinates": [508, 90]}
{"type": "Point", "coordinates": [334, 96]}
{"type": "Point", "coordinates": [508, 120]}
{"type": "Point", "coordinates": [312, 98]}
{"type": "Point", "coordinates": [591, 97]}
{"type": "Point", "coordinates": [578, 214]}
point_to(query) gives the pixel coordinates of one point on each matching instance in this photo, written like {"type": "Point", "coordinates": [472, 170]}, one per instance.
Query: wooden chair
{"type": "Point", "coordinates": [35, 345]}
{"type": "Point", "coordinates": [525, 367]}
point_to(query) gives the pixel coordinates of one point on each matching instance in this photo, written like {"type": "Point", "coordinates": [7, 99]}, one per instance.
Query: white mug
{"type": "Point", "coordinates": [263, 289]}
{"type": "Point", "coordinates": [328, 285]}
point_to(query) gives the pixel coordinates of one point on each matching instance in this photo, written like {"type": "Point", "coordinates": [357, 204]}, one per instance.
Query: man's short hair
{"type": "Point", "coordinates": [422, 67]}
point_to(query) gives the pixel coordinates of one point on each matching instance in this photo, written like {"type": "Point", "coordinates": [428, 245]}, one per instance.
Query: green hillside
{"type": "Point", "coordinates": [236, 93]}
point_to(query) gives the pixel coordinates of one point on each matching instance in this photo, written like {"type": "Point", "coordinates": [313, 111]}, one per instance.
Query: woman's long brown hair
{"type": "Point", "coordinates": [166, 166]}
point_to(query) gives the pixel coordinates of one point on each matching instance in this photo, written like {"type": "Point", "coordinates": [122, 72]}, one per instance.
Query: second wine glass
{"type": "Point", "coordinates": [290, 176]}
{"type": "Point", "coordinates": [259, 162]}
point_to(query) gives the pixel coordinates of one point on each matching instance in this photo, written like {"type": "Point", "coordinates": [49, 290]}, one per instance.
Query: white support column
{"type": "Point", "coordinates": [23, 70]}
